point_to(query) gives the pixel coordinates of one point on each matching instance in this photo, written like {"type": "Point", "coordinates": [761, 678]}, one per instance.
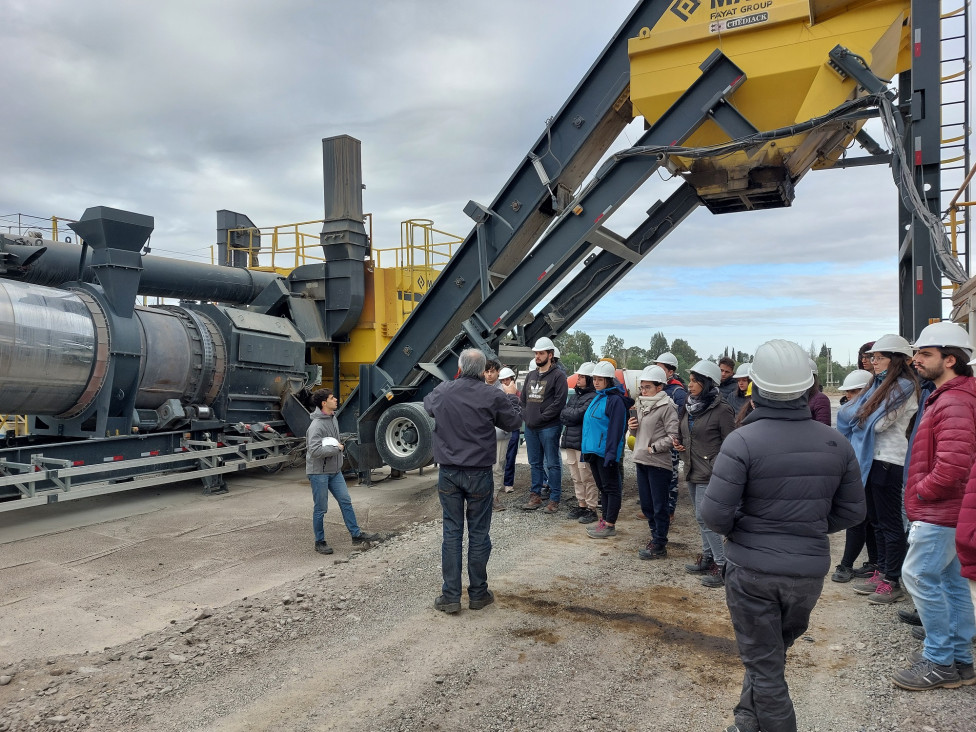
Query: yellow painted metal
{"type": "Point", "coordinates": [16, 423]}
{"type": "Point", "coordinates": [782, 46]}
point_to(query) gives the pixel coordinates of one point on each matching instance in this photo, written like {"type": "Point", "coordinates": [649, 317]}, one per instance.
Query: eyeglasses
{"type": "Point", "coordinates": [880, 357]}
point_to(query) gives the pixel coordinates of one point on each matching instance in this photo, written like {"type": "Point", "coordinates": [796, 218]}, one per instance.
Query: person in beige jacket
{"type": "Point", "coordinates": [654, 424]}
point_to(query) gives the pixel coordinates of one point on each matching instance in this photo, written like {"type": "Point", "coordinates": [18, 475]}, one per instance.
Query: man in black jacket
{"type": "Point", "coordinates": [466, 412]}
{"type": "Point", "coordinates": [780, 484]}
{"type": "Point", "coordinates": [543, 398]}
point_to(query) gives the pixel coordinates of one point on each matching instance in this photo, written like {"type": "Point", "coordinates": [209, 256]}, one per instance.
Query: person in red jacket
{"type": "Point", "coordinates": [941, 459]}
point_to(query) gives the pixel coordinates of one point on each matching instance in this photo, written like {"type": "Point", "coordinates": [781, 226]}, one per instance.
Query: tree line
{"type": "Point", "coordinates": [577, 347]}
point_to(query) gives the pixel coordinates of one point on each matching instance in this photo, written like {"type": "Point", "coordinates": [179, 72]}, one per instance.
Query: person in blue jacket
{"type": "Point", "coordinates": [604, 434]}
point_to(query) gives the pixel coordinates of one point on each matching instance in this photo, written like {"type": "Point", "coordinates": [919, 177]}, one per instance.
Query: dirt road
{"type": "Point", "coordinates": [583, 636]}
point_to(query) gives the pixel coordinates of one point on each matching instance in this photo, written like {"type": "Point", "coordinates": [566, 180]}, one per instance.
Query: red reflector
{"type": "Point", "coordinates": [37, 468]}
{"type": "Point", "coordinates": [918, 50]}
{"type": "Point", "coordinates": [220, 444]}
{"type": "Point", "coordinates": [116, 458]}
{"type": "Point", "coordinates": [918, 287]}
{"type": "Point", "coordinates": [918, 157]}
{"type": "Point", "coordinates": [153, 453]}
{"type": "Point", "coordinates": [76, 463]}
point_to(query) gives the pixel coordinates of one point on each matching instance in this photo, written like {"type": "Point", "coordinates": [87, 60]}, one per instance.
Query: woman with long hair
{"type": "Point", "coordinates": [877, 423]}
{"type": "Point", "coordinates": [706, 420]}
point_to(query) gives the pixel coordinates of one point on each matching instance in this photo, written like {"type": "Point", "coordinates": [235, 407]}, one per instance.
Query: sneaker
{"type": "Point", "coordinates": [482, 601]}
{"type": "Point", "coordinates": [588, 516]}
{"type": "Point", "coordinates": [865, 570]}
{"type": "Point", "coordinates": [322, 547]}
{"type": "Point", "coordinates": [551, 507]}
{"type": "Point", "coordinates": [510, 489]}
{"type": "Point", "coordinates": [965, 670]}
{"type": "Point", "coordinates": [446, 606]}
{"type": "Point", "coordinates": [496, 505]}
{"type": "Point", "coordinates": [918, 633]}
{"type": "Point", "coordinates": [842, 574]}
{"type": "Point", "coordinates": [714, 577]}
{"type": "Point", "coordinates": [869, 585]}
{"type": "Point", "coordinates": [365, 537]}
{"type": "Point", "coordinates": [703, 564]}
{"type": "Point", "coordinates": [652, 551]}
{"type": "Point", "coordinates": [886, 594]}
{"type": "Point", "coordinates": [602, 530]}
{"type": "Point", "coordinates": [535, 502]}
{"type": "Point", "coordinates": [924, 674]}
{"type": "Point", "coordinates": [575, 512]}
{"type": "Point", "coordinates": [910, 617]}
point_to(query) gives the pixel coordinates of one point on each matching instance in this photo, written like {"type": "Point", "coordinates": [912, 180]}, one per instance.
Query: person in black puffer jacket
{"type": "Point", "coordinates": [781, 483]}
{"type": "Point", "coordinates": [572, 442]}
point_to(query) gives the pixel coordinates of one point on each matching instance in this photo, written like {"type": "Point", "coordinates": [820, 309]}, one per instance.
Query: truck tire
{"type": "Point", "coordinates": [405, 436]}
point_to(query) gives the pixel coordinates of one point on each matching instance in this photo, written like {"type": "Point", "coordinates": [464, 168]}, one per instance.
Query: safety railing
{"type": "Point", "coordinates": [16, 423]}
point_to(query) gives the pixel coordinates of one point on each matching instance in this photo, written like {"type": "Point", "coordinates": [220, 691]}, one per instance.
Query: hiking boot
{"type": "Point", "coordinates": [482, 601]}
{"type": "Point", "coordinates": [322, 547]}
{"type": "Point", "coordinates": [602, 530]}
{"type": "Point", "coordinates": [842, 574]}
{"type": "Point", "coordinates": [588, 516]}
{"type": "Point", "coordinates": [703, 564]}
{"type": "Point", "coordinates": [534, 503]}
{"type": "Point", "coordinates": [965, 670]}
{"type": "Point", "coordinates": [365, 538]}
{"type": "Point", "coordinates": [918, 633]}
{"type": "Point", "coordinates": [924, 674]}
{"type": "Point", "coordinates": [652, 551]}
{"type": "Point", "coordinates": [910, 617]}
{"type": "Point", "coordinates": [713, 578]}
{"type": "Point", "coordinates": [865, 570]}
{"type": "Point", "coordinates": [496, 505]}
{"type": "Point", "coordinates": [869, 585]}
{"type": "Point", "coordinates": [575, 512]}
{"type": "Point", "coordinates": [886, 594]}
{"type": "Point", "coordinates": [551, 507]}
{"type": "Point", "coordinates": [510, 489]}
{"type": "Point", "coordinates": [446, 606]}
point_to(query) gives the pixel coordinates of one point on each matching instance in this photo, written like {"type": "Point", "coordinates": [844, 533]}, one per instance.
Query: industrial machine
{"type": "Point", "coordinates": [740, 100]}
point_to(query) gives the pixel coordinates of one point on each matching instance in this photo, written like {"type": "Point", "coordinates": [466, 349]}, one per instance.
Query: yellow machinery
{"type": "Point", "coordinates": [396, 279]}
{"type": "Point", "coordinates": [782, 46]}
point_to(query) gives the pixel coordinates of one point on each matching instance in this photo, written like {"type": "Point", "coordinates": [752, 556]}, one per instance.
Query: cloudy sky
{"type": "Point", "coordinates": [181, 108]}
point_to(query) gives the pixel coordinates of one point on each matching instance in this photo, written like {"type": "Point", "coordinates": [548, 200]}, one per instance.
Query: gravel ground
{"type": "Point", "coordinates": [583, 636]}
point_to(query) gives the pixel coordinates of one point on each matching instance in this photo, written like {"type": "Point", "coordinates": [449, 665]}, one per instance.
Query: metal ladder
{"type": "Point", "coordinates": [955, 128]}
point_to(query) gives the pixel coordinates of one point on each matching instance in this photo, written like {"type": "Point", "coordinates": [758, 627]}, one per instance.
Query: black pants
{"type": "Point", "coordinates": [769, 612]}
{"type": "Point", "coordinates": [608, 481]}
{"type": "Point", "coordinates": [857, 538]}
{"type": "Point", "coordinates": [884, 496]}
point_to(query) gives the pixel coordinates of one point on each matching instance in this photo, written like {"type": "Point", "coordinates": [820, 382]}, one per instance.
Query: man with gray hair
{"type": "Point", "coordinates": [466, 412]}
{"type": "Point", "coordinates": [780, 484]}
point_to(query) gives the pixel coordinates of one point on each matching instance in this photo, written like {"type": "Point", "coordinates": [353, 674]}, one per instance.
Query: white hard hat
{"type": "Point", "coordinates": [544, 344]}
{"type": "Point", "coordinates": [742, 372]}
{"type": "Point", "coordinates": [944, 335]}
{"type": "Point", "coordinates": [781, 370]}
{"type": "Point", "coordinates": [669, 358]}
{"type": "Point", "coordinates": [709, 369]}
{"type": "Point", "coordinates": [653, 373]}
{"type": "Point", "coordinates": [604, 369]}
{"type": "Point", "coordinates": [857, 379]}
{"type": "Point", "coordinates": [891, 343]}
{"type": "Point", "coordinates": [555, 351]}
{"type": "Point", "coordinates": [330, 442]}
{"type": "Point", "coordinates": [532, 365]}
{"type": "Point", "coordinates": [506, 373]}
{"type": "Point", "coordinates": [586, 368]}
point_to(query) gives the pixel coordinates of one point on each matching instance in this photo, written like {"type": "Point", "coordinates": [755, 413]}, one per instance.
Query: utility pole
{"type": "Point", "coordinates": [830, 368]}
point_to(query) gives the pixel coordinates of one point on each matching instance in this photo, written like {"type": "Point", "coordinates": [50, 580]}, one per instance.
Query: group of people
{"type": "Point", "coordinates": [768, 476]}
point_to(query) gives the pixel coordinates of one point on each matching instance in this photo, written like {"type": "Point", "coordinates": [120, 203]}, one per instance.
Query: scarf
{"type": "Point", "coordinates": [698, 404]}
{"type": "Point", "coordinates": [646, 404]}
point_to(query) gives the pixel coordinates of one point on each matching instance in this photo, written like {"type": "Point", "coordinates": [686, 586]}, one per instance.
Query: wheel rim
{"type": "Point", "coordinates": [401, 437]}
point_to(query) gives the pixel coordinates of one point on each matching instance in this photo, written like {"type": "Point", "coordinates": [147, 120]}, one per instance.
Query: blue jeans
{"type": "Point", "coordinates": [322, 485]}
{"type": "Point", "coordinates": [513, 446]}
{"type": "Point", "coordinates": [941, 594]}
{"type": "Point", "coordinates": [542, 447]}
{"type": "Point", "coordinates": [712, 543]}
{"type": "Point", "coordinates": [654, 489]}
{"type": "Point", "coordinates": [457, 487]}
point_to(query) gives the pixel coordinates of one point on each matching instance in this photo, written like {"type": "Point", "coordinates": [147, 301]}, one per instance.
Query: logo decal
{"type": "Point", "coordinates": [684, 8]}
